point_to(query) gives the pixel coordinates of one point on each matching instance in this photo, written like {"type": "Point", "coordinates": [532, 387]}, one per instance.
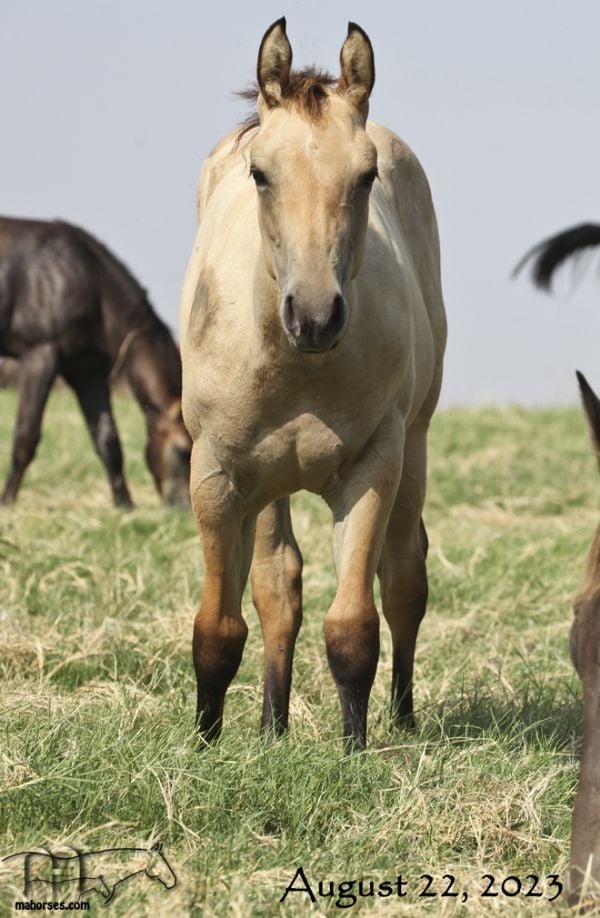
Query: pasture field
{"type": "Point", "coordinates": [97, 691]}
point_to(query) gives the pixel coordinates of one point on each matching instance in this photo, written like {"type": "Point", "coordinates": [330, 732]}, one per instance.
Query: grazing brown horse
{"type": "Point", "coordinates": [585, 653]}
{"type": "Point", "coordinates": [313, 332]}
{"type": "Point", "coordinates": [547, 256]}
{"type": "Point", "coordinates": [69, 307]}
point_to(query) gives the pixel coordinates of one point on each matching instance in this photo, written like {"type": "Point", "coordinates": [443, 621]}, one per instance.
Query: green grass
{"type": "Point", "coordinates": [97, 689]}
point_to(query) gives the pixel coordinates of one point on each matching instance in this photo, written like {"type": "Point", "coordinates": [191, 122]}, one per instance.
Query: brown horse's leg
{"type": "Point", "coordinates": [361, 504]}
{"type": "Point", "coordinates": [403, 575]}
{"type": "Point", "coordinates": [37, 372]}
{"type": "Point", "coordinates": [92, 391]}
{"type": "Point", "coordinates": [277, 595]}
{"type": "Point", "coordinates": [585, 835]}
{"type": "Point", "coordinates": [219, 628]}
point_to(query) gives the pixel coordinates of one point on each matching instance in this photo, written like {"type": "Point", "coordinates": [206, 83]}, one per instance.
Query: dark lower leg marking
{"type": "Point", "coordinates": [402, 694]}
{"type": "Point", "coordinates": [217, 657]}
{"type": "Point", "coordinates": [276, 699]}
{"type": "Point", "coordinates": [352, 653]}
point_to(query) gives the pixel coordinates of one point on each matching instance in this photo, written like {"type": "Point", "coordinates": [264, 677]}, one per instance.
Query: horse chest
{"type": "Point", "coordinates": [268, 462]}
{"type": "Point", "coordinates": [272, 435]}
{"type": "Point", "coordinates": [307, 444]}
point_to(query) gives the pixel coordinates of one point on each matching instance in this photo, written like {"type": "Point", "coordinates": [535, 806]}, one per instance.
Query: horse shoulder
{"type": "Point", "coordinates": [218, 280]}
{"type": "Point", "coordinates": [411, 211]}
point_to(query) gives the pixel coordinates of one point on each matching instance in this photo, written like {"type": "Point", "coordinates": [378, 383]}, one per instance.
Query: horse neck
{"type": "Point", "coordinates": [153, 368]}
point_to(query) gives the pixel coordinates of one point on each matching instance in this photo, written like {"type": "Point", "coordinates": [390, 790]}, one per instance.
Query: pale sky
{"type": "Point", "coordinates": [110, 106]}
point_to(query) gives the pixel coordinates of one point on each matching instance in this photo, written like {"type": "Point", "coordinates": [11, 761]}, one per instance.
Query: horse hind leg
{"type": "Point", "coordinates": [403, 578]}
{"type": "Point", "coordinates": [404, 598]}
{"type": "Point", "coordinates": [277, 596]}
{"type": "Point", "coordinates": [37, 371]}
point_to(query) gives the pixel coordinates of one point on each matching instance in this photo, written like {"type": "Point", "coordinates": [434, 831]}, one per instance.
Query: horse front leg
{"type": "Point", "coordinates": [227, 535]}
{"type": "Point", "coordinates": [277, 596]}
{"type": "Point", "coordinates": [361, 503]}
{"type": "Point", "coordinates": [90, 385]}
{"type": "Point", "coordinates": [37, 371]}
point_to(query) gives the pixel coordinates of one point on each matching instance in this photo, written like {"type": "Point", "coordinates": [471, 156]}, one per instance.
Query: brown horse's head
{"type": "Point", "coordinates": [313, 165]}
{"type": "Point", "coordinates": [168, 455]}
{"type": "Point", "coordinates": [585, 653]}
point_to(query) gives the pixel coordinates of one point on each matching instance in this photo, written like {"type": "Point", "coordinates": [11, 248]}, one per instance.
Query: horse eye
{"type": "Point", "coordinates": [366, 181]}
{"type": "Point", "coordinates": [259, 177]}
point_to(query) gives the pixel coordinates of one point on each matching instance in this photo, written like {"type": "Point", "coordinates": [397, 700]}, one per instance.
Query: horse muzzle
{"type": "Point", "coordinates": [314, 331]}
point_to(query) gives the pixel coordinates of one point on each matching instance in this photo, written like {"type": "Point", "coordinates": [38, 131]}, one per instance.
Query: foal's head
{"type": "Point", "coordinates": [313, 165]}
{"type": "Point", "coordinates": [168, 455]}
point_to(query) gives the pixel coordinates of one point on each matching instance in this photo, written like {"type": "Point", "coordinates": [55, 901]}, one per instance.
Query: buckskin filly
{"type": "Point", "coordinates": [313, 333]}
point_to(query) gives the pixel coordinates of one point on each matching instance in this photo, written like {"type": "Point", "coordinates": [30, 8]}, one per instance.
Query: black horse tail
{"type": "Point", "coordinates": [549, 254]}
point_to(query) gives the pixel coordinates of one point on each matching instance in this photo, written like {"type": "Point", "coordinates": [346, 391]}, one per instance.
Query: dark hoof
{"type": "Point", "coordinates": [124, 502]}
{"type": "Point", "coordinates": [204, 743]}
{"type": "Point", "coordinates": [209, 721]}
{"type": "Point", "coordinates": [272, 730]}
{"type": "Point", "coordinates": [207, 739]}
{"type": "Point", "coordinates": [402, 710]}
{"type": "Point", "coordinates": [404, 721]}
{"type": "Point", "coordinates": [354, 744]}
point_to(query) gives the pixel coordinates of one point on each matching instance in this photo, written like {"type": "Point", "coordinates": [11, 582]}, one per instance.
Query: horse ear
{"type": "Point", "coordinates": [274, 63]}
{"type": "Point", "coordinates": [591, 407]}
{"type": "Point", "coordinates": [357, 66]}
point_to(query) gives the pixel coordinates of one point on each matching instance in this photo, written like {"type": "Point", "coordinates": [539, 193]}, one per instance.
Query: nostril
{"type": "Point", "coordinates": [337, 313]}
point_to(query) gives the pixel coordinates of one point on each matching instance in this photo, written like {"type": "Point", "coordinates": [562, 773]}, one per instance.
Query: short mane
{"type": "Point", "coordinates": [132, 299]}
{"type": "Point", "coordinates": [108, 258]}
{"type": "Point", "coordinates": [306, 91]}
